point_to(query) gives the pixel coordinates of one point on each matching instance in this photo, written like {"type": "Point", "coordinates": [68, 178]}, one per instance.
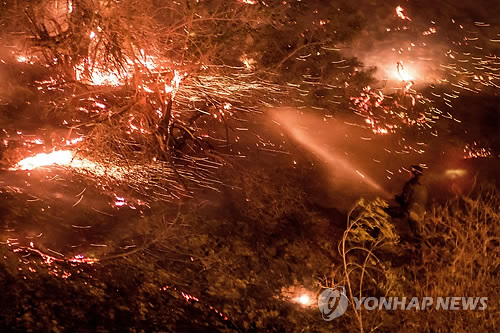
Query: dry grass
{"type": "Point", "coordinates": [459, 255]}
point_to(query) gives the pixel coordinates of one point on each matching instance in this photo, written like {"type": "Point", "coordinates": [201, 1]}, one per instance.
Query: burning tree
{"type": "Point", "coordinates": [141, 88]}
{"type": "Point", "coordinates": [156, 94]}
{"type": "Point", "coordinates": [155, 97]}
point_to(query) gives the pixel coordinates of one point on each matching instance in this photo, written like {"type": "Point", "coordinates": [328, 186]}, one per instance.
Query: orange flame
{"type": "Point", "coordinates": [62, 157]}
{"type": "Point", "coordinates": [68, 158]}
{"type": "Point", "coordinates": [403, 73]}
{"type": "Point", "coordinates": [400, 14]}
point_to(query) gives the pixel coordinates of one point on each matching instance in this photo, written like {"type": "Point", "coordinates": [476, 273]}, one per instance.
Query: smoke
{"type": "Point", "coordinates": [400, 49]}
{"type": "Point", "coordinates": [347, 158]}
{"type": "Point", "coordinates": [357, 163]}
{"type": "Point", "coordinates": [419, 38]}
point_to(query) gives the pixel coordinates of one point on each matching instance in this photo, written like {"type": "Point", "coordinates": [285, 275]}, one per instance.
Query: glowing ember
{"type": "Point", "coordinates": [119, 202]}
{"type": "Point", "coordinates": [74, 141]}
{"type": "Point", "coordinates": [475, 151]}
{"type": "Point", "coordinates": [402, 73]}
{"type": "Point", "coordinates": [400, 14]}
{"type": "Point", "coordinates": [81, 259]}
{"type": "Point", "coordinates": [174, 84]}
{"type": "Point", "coordinates": [304, 299]}
{"type": "Point", "coordinates": [22, 59]}
{"type": "Point", "coordinates": [299, 295]}
{"type": "Point", "coordinates": [248, 62]}
{"type": "Point", "coordinates": [189, 297]}
{"type": "Point", "coordinates": [99, 77]}
{"type": "Point", "coordinates": [431, 30]}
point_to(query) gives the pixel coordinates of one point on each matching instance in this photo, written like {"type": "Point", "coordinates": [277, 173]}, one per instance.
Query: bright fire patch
{"type": "Point", "coordinates": [62, 157]}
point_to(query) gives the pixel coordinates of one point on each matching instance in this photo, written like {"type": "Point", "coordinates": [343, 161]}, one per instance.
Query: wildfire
{"type": "Point", "coordinates": [62, 158]}
{"type": "Point", "coordinates": [402, 73]}
{"type": "Point", "coordinates": [99, 77]}
{"type": "Point", "coordinates": [304, 300]}
{"type": "Point", "coordinates": [173, 87]}
{"type": "Point", "coordinates": [299, 295]}
{"type": "Point", "coordinates": [67, 158]}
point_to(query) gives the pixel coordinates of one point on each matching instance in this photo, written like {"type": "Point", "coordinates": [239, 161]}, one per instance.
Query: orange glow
{"type": "Point", "coordinates": [304, 299]}
{"type": "Point", "coordinates": [68, 158]}
{"type": "Point", "coordinates": [400, 14]}
{"type": "Point", "coordinates": [22, 59]}
{"type": "Point", "coordinates": [248, 62]}
{"type": "Point", "coordinates": [62, 157]}
{"type": "Point", "coordinates": [174, 84]}
{"type": "Point", "coordinates": [80, 259]}
{"type": "Point", "coordinates": [403, 73]}
{"type": "Point", "coordinates": [431, 30]}
{"type": "Point", "coordinates": [98, 77]}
